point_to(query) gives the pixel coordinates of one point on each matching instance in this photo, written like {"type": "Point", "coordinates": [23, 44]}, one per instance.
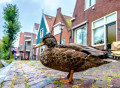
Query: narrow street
{"type": "Point", "coordinates": [32, 74]}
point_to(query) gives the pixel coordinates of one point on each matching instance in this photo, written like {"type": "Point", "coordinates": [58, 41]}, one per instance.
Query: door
{"type": "Point", "coordinates": [110, 34]}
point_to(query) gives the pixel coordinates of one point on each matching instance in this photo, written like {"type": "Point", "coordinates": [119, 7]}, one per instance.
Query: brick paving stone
{"type": "Point", "coordinates": [43, 83]}
{"type": "Point", "coordinates": [51, 86]}
{"type": "Point", "coordinates": [36, 77]}
{"type": "Point", "coordinates": [87, 83]}
{"type": "Point", "coordinates": [36, 81]}
{"type": "Point", "coordinates": [101, 83]}
{"type": "Point", "coordinates": [9, 78]}
{"type": "Point", "coordinates": [19, 86]}
{"type": "Point", "coordinates": [115, 82]}
{"type": "Point", "coordinates": [6, 84]}
{"type": "Point", "coordinates": [20, 80]}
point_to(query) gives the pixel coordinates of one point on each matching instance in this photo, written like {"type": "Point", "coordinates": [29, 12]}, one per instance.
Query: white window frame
{"type": "Point", "coordinates": [41, 33]}
{"type": "Point", "coordinates": [92, 40]}
{"type": "Point", "coordinates": [57, 25]}
{"type": "Point", "coordinates": [75, 39]}
{"type": "Point", "coordinates": [58, 42]}
{"type": "Point", "coordinates": [89, 5]}
{"type": "Point", "coordinates": [63, 40]}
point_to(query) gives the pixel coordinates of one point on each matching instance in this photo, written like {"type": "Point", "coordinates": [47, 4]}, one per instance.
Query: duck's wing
{"type": "Point", "coordinates": [73, 46]}
{"type": "Point", "coordinates": [65, 59]}
{"type": "Point", "coordinates": [85, 49]}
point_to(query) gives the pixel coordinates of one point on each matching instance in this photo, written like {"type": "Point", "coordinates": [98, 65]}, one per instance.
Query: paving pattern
{"type": "Point", "coordinates": [32, 74]}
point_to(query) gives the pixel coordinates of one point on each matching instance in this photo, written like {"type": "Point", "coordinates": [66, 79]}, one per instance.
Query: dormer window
{"type": "Point", "coordinates": [89, 3]}
{"type": "Point", "coordinates": [41, 33]}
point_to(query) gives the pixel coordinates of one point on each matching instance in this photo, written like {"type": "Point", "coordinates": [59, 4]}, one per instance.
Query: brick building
{"type": "Point", "coordinates": [57, 30]}
{"type": "Point", "coordinates": [96, 23]}
{"type": "Point", "coordinates": [27, 42]}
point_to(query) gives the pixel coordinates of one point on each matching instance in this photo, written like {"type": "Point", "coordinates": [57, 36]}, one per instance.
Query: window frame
{"type": "Point", "coordinates": [62, 40]}
{"type": "Point", "coordinates": [41, 48]}
{"type": "Point", "coordinates": [75, 33]}
{"type": "Point", "coordinates": [57, 25]}
{"type": "Point", "coordinates": [105, 23]}
{"type": "Point", "coordinates": [90, 4]}
{"type": "Point", "coordinates": [41, 35]}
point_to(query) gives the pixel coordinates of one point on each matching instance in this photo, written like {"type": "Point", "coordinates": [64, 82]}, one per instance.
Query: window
{"type": "Point", "coordinates": [99, 28]}
{"type": "Point", "coordinates": [63, 41]}
{"type": "Point", "coordinates": [98, 35]}
{"type": "Point", "coordinates": [57, 30]}
{"type": "Point", "coordinates": [81, 35]}
{"type": "Point", "coordinates": [58, 42]}
{"type": "Point", "coordinates": [42, 49]}
{"type": "Point", "coordinates": [89, 3]}
{"type": "Point", "coordinates": [41, 33]}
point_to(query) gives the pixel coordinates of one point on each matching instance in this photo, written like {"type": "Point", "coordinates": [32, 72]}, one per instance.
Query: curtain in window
{"type": "Point", "coordinates": [99, 35]}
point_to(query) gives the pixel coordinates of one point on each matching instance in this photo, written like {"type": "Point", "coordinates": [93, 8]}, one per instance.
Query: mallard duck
{"type": "Point", "coordinates": [70, 57]}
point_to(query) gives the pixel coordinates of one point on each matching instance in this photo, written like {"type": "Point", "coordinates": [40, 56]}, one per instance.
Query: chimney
{"type": "Point", "coordinates": [59, 10]}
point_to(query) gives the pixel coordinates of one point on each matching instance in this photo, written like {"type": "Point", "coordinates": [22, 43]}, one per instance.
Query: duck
{"type": "Point", "coordinates": [71, 57]}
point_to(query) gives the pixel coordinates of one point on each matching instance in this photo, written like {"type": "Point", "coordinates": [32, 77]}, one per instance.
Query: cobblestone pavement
{"type": "Point", "coordinates": [32, 74]}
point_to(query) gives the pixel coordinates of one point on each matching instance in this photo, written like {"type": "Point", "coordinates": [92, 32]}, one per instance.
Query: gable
{"type": "Point", "coordinates": [42, 26]}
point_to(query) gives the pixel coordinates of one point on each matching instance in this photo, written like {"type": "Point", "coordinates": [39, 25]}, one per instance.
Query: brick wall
{"type": "Point", "coordinates": [101, 8]}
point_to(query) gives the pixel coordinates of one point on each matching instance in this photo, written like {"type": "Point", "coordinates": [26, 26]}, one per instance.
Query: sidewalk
{"type": "Point", "coordinates": [32, 74]}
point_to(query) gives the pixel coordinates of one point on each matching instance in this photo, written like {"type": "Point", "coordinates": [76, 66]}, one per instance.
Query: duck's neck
{"type": "Point", "coordinates": [52, 45]}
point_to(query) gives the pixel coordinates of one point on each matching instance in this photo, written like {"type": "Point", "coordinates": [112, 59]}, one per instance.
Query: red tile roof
{"type": "Point", "coordinates": [50, 21]}
{"type": "Point", "coordinates": [37, 26]}
{"type": "Point", "coordinates": [21, 37]}
{"type": "Point", "coordinates": [0, 39]}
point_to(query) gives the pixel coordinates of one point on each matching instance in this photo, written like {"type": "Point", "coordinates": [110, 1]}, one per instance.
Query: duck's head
{"type": "Point", "coordinates": [48, 40]}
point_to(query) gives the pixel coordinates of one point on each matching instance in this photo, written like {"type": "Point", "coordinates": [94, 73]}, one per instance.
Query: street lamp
{"type": "Point", "coordinates": [62, 27]}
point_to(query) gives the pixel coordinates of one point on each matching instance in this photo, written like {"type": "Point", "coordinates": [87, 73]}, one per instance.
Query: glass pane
{"type": "Point", "coordinates": [98, 23]}
{"type": "Point", "coordinates": [111, 18]}
{"type": "Point", "coordinates": [111, 29]}
{"type": "Point", "coordinates": [87, 4]}
{"type": "Point", "coordinates": [98, 35]}
{"type": "Point", "coordinates": [93, 2]}
{"type": "Point", "coordinates": [57, 30]}
{"type": "Point", "coordinates": [63, 41]}
{"type": "Point", "coordinates": [81, 36]}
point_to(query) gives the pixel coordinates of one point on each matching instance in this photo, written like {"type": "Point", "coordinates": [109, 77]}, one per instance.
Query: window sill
{"type": "Point", "coordinates": [98, 45]}
{"type": "Point", "coordinates": [89, 7]}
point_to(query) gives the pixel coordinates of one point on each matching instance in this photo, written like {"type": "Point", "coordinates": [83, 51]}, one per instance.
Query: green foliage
{"type": "Point", "coordinates": [27, 86]}
{"type": "Point", "coordinates": [1, 64]}
{"type": "Point", "coordinates": [61, 84]}
{"type": "Point", "coordinates": [6, 44]}
{"type": "Point", "coordinates": [11, 25]}
{"type": "Point", "coordinates": [1, 49]}
{"type": "Point", "coordinates": [10, 60]}
{"type": "Point", "coordinates": [69, 23]}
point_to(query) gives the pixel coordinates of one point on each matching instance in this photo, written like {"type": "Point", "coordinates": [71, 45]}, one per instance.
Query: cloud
{"type": "Point", "coordinates": [51, 4]}
{"type": "Point", "coordinates": [5, 1]}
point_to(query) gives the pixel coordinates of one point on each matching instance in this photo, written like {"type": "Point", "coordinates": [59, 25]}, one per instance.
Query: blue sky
{"type": "Point", "coordinates": [30, 12]}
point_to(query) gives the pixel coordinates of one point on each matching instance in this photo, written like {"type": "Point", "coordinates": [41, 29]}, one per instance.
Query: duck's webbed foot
{"type": "Point", "coordinates": [70, 76]}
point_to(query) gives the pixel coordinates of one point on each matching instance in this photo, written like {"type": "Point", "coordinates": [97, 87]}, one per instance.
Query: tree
{"type": "Point", "coordinates": [5, 48]}
{"type": "Point", "coordinates": [11, 25]}
{"type": "Point", "coordinates": [1, 50]}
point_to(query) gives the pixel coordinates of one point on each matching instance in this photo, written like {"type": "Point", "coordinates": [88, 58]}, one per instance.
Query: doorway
{"type": "Point", "coordinates": [110, 34]}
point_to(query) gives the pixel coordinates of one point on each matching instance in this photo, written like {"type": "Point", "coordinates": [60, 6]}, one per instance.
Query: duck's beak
{"type": "Point", "coordinates": [40, 44]}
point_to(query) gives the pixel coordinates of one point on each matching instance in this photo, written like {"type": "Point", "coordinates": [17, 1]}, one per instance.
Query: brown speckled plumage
{"type": "Point", "coordinates": [70, 56]}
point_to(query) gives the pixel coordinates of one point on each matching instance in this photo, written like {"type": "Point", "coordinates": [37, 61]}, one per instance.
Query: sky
{"type": "Point", "coordinates": [30, 12]}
